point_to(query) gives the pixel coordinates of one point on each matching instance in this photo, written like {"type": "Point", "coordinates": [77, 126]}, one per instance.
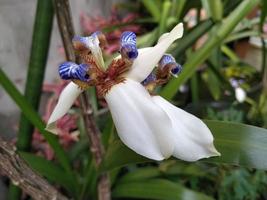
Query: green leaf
{"type": "Point", "coordinates": [50, 170]}
{"type": "Point", "coordinates": [191, 37]}
{"type": "Point", "coordinates": [220, 31]}
{"type": "Point", "coordinates": [153, 8]}
{"type": "Point", "coordinates": [156, 189]}
{"type": "Point", "coordinates": [239, 144]}
{"type": "Point", "coordinates": [89, 181]}
{"type": "Point", "coordinates": [166, 6]}
{"type": "Point", "coordinates": [116, 156]}
{"type": "Point", "coordinates": [214, 8]}
{"type": "Point", "coordinates": [36, 70]}
{"type": "Point", "coordinates": [212, 83]}
{"type": "Point", "coordinates": [263, 13]}
{"type": "Point", "coordinates": [241, 35]}
{"type": "Point", "coordinates": [177, 8]}
{"type": "Point", "coordinates": [141, 174]}
{"type": "Point", "coordinates": [147, 39]}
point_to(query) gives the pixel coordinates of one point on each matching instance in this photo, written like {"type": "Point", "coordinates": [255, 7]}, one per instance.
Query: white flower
{"type": "Point", "coordinates": [240, 94]}
{"type": "Point", "coordinates": [149, 125]}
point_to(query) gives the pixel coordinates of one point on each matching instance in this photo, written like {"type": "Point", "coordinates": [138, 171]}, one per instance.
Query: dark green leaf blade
{"type": "Point", "coordinates": [239, 144]}
{"type": "Point", "coordinates": [156, 189]}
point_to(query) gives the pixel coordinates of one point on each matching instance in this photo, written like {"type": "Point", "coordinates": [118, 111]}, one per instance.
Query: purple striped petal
{"type": "Point", "coordinates": [71, 70]}
{"type": "Point", "coordinates": [128, 45]}
{"type": "Point", "coordinates": [168, 59]}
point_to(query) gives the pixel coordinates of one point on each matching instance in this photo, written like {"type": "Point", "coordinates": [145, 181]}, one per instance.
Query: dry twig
{"type": "Point", "coordinates": [23, 176]}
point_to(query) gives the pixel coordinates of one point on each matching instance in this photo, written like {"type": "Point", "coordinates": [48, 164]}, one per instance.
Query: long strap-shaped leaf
{"type": "Point", "coordinates": [239, 144]}
{"type": "Point", "coordinates": [222, 30]}
{"type": "Point", "coordinates": [39, 51]}
{"type": "Point", "coordinates": [156, 189]}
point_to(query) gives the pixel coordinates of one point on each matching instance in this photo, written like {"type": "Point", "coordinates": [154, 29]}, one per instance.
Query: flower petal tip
{"type": "Point", "coordinates": [178, 30]}
{"type": "Point", "coordinates": [212, 151]}
{"type": "Point", "coordinates": [51, 127]}
{"type": "Point", "coordinates": [215, 153]}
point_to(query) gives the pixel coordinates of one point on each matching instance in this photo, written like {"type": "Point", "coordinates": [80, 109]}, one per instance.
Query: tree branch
{"type": "Point", "coordinates": [65, 25]}
{"type": "Point", "coordinates": [23, 176]}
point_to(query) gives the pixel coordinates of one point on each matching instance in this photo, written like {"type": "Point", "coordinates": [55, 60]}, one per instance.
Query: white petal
{"type": "Point", "coordinates": [193, 139]}
{"type": "Point", "coordinates": [149, 57]}
{"type": "Point", "coordinates": [141, 125]}
{"type": "Point", "coordinates": [93, 44]}
{"type": "Point", "coordinates": [65, 101]}
{"type": "Point", "coordinates": [240, 94]}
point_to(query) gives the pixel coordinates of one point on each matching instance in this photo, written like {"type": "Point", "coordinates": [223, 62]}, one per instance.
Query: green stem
{"type": "Point", "coordinates": [192, 37]}
{"type": "Point", "coordinates": [39, 51]}
{"type": "Point", "coordinates": [164, 16]}
{"type": "Point", "coordinates": [153, 8]}
{"type": "Point", "coordinates": [33, 90]}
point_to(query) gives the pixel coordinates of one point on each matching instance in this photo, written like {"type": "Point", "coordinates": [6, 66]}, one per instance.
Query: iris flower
{"type": "Point", "coordinates": [147, 124]}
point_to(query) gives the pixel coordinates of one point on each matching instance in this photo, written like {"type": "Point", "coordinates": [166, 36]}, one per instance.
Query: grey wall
{"type": "Point", "coordinates": [16, 24]}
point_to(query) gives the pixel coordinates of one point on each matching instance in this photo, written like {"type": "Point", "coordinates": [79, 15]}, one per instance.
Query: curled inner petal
{"type": "Point", "coordinates": [149, 57]}
{"type": "Point", "coordinates": [167, 62]}
{"type": "Point", "coordinates": [152, 77]}
{"type": "Point", "coordinates": [101, 37]}
{"type": "Point", "coordinates": [166, 59]}
{"type": "Point", "coordinates": [93, 44]}
{"type": "Point", "coordinates": [176, 70]}
{"type": "Point", "coordinates": [71, 70]}
{"type": "Point", "coordinates": [128, 45]}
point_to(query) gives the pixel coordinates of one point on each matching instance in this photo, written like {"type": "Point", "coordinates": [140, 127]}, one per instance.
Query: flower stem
{"type": "Point", "coordinates": [64, 19]}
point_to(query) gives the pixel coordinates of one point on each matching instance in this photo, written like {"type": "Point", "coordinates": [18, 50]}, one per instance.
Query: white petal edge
{"type": "Point", "coordinates": [65, 101]}
{"type": "Point", "coordinates": [193, 139]}
{"type": "Point", "coordinates": [141, 125]}
{"type": "Point", "coordinates": [149, 57]}
{"type": "Point", "coordinates": [240, 94]}
{"type": "Point", "coordinates": [93, 44]}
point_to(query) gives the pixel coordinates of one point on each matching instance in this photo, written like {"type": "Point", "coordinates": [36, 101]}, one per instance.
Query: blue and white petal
{"type": "Point", "coordinates": [82, 40]}
{"type": "Point", "coordinates": [65, 101]}
{"type": "Point", "coordinates": [193, 139]}
{"type": "Point", "coordinates": [149, 57]}
{"type": "Point", "coordinates": [168, 59]}
{"type": "Point", "coordinates": [128, 47]}
{"type": "Point", "coordinates": [71, 70]}
{"type": "Point", "coordinates": [142, 125]}
{"type": "Point", "coordinates": [151, 78]}
{"type": "Point", "coordinates": [176, 70]}
{"type": "Point", "coordinates": [92, 42]}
